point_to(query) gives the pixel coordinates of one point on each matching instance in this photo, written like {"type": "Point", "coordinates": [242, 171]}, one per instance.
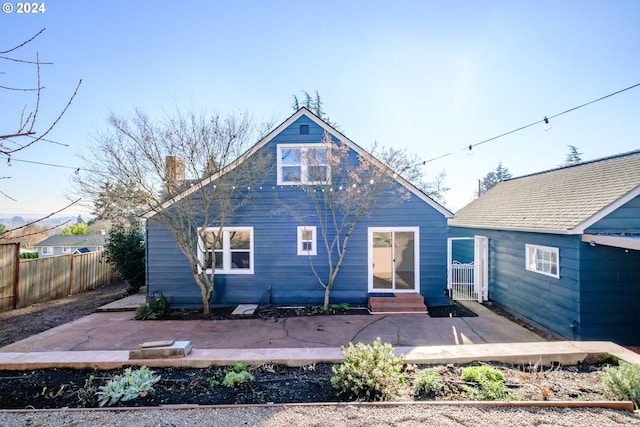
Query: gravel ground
{"type": "Point", "coordinates": [331, 415]}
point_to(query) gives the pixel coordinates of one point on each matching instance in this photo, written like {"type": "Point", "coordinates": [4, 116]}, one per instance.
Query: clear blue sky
{"type": "Point", "coordinates": [428, 76]}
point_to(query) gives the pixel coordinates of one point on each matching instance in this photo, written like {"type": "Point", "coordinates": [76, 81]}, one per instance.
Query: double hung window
{"type": "Point", "coordinates": [300, 164]}
{"type": "Point", "coordinates": [229, 249]}
{"type": "Point", "coordinates": [307, 240]}
{"type": "Point", "coordinates": [543, 260]}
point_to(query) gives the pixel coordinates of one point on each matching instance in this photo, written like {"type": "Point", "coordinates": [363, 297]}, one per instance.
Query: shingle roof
{"type": "Point", "coordinates": [566, 199]}
{"type": "Point", "coordinates": [74, 241]}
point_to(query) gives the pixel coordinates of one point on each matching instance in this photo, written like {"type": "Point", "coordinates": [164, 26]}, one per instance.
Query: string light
{"type": "Point", "coordinates": [545, 121]}
{"type": "Point", "coordinates": [9, 161]}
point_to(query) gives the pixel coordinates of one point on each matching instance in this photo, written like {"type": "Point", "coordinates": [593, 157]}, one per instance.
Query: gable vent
{"type": "Point", "coordinates": [304, 129]}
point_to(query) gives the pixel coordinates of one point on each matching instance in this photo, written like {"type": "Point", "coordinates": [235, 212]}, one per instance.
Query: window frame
{"type": "Point", "coordinates": [304, 165]}
{"type": "Point", "coordinates": [301, 240]}
{"type": "Point", "coordinates": [66, 249]}
{"type": "Point", "coordinates": [47, 250]}
{"type": "Point", "coordinates": [227, 251]}
{"type": "Point", "coordinates": [532, 265]}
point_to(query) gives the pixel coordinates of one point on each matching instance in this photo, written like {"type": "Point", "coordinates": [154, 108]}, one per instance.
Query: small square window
{"type": "Point", "coordinates": [304, 129]}
{"type": "Point", "coordinates": [307, 240]}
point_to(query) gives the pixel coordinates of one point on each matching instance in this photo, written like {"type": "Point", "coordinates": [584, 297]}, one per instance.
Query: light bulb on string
{"type": "Point", "coordinates": [547, 125]}
{"type": "Point", "coordinates": [9, 161]}
{"type": "Point", "coordinates": [470, 150]}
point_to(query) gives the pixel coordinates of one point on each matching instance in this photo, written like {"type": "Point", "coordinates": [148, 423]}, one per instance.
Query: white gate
{"type": "Point", "coordinates": [469, 281]}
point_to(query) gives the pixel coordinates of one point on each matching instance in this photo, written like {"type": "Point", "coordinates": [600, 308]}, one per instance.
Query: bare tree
{"type": "Point", "coordinates": [343, 190]}
{"type": "Point", "coordinates": [25, 134]}
{"type": "Point", "coordinates": [192, 173]}
{"type": "Point", "coordinates": [28, 117]}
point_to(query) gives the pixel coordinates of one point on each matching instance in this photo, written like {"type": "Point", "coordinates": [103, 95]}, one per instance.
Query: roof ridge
{"type": "Point", "coordinates": [586, 162]}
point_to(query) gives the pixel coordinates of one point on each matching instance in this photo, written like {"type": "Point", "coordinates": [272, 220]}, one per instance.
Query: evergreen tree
{"type": "Point", "coordinates": [573, 156]}
{"type": "Point", "coordinates": [492, 178]}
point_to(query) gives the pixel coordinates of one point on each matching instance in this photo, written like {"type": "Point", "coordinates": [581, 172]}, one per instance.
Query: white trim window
{"type": "Point", "coordinates": [307, 241]}
{"type": "Point", "coordinates": [47, 250]}
{"type": "Point", "coordinates": [66, 249]}
{"type": "Point", "coordinates": [543, 259]}
{"type": "Point", "coordinates": [300, 164]}
{"type": "Point", "coordinates": [229, 249]}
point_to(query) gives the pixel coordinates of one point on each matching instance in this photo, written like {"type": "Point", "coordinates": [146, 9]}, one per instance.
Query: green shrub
{"type": "Point", "coordinates": [234, 378]}
{"type": "Point", "coordinates": [623, 381]}
{"type": "Point", "coordinates": [125, 251]}
{"type": "Point", "coordinates": [154, 309]}
{"type": "Point", "coordinates": [128, 386]}
{"type": "Point", "coordinates": [426, 384]}
{"type": "Point", "coordinates": [369, 372]}
{"type": "Point", "coordinates": [490, 383]}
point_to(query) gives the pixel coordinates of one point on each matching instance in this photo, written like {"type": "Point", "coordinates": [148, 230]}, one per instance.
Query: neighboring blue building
{"type": "Point", "coordinates": [399, 247]}
{"type": "Point", "coordinates": [564, 247]}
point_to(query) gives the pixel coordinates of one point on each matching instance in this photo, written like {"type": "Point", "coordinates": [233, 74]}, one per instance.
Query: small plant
{"type": "Point", "coordinates": [239, 366]}
{"type": "Point", "coordinates": [623, 381]}
{"type": "Point", "coordinates": [87, 392]}
{"type": "Point", "coordinates": [213, 382]}
{"type": "Point", "coordinates": [237, 376]}
{"type": "Point", "coordinates": [490, 383]}
{"type": "Point", "coordinates": [234, 378]}
{"type": "Point", "coordinates": [128, 386]}
{"type": "Point", "coordinates": [370, 372]}
{"type": "Point", "coordinates": [309, 368]}
{"type": "Point", "coordinates": [338, 308]}
{"type": "Point", "coordinates": [154, 309]}
{"type": "Point", "coordinates": [427, 384]}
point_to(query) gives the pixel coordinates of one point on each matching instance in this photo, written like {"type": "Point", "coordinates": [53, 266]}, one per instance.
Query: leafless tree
{"type": "Point", "coordinates": [28, 116]}
{"type": "Point", "coordinates": [194, 173]}
{"type": "Point", "coordinates": [25, 134]}
{"type": "Point", "coordinates": [341, 199]}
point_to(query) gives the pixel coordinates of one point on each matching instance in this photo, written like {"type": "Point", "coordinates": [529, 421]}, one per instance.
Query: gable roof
{"type": "Point", "coordinates": [74, 240]}
{"type": "Point", "coordinates": [303, 111]}
{"type": "Point", "coordinates": [565, 200]}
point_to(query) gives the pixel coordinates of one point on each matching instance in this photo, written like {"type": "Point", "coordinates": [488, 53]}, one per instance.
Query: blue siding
{"type": "Point", "coordinates": [280, 275]}
{"type": "Point", "coordinates": [610, 300]}
{"type": "Point", "coordinates": [625, 219]}
{"type": "Point", "coordinates": [545, 301]}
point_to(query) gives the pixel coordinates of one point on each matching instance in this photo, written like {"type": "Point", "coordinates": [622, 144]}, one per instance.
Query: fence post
{"type": "Point", "coordinates": [71, 274]}
{"type": "Point", "coordinates": [16, 280]}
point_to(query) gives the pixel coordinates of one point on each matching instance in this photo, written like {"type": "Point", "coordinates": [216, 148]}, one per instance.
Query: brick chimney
{"type": "Point", "coordinates": [174, 174]}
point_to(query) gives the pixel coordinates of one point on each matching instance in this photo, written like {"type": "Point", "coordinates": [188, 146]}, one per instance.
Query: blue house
{"type": "Point", "coordinates": [564, 247]}
{"type": "Point", "coordinates": [266, 247]}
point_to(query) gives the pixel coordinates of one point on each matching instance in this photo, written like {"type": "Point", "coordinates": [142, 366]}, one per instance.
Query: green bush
{"type": "Point", "coordinates": [623, 381]}
{"type": "Point", "coordinates": [125, 251]}
{"type": "Point", "coordinates": [154, 309]}
{"type": "Point", "coordinates": [128, 386]}
{"type": "Point", "coordinates": [369, 372]}
{"type": "Point", "coordinates": [490, 383]}
{"type": "Point", "coordinates": [426, 384]}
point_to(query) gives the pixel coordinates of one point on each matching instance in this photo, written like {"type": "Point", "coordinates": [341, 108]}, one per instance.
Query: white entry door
{"type": "Point", "coordinates": [394, 259]}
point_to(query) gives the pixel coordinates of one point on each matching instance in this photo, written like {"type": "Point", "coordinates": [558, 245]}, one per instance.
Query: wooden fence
{"type": "Point", "coordinates": [24, 282]}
